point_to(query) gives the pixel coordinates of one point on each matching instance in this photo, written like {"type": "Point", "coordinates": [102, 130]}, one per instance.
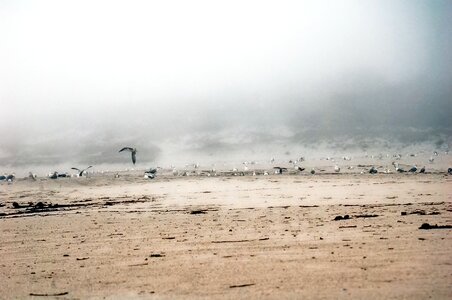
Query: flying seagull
{"type": "Point", "coordinates": [81, 171]}
{"type": "Point", "coordinates": [133, 151]}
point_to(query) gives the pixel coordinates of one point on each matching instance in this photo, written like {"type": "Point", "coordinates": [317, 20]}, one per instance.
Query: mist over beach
{"type": "Point", "coordinates": [183, 81]}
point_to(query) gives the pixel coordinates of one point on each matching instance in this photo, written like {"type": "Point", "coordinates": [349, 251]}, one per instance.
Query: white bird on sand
{"type": "Point", "coordinates": [337, 169]}
{"type": "Point", "coordinates": [133, 151]}
{"type": "Point", "coordinates": [301, 169]}
{"type": "Point", "coordinates": [279, 170]}
{"type": "Point", "coordinates": [396, 166]}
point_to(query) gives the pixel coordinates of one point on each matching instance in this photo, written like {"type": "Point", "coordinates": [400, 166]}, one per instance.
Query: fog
{"type": "Point", "coordinates": [194, 80]}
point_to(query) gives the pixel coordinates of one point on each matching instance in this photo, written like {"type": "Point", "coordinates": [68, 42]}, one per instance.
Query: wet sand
{"type": "Point", "coordinates": [227, 237]}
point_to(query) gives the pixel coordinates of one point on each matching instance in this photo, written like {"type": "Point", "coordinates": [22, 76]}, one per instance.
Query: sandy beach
{"type": "Point", "coordinates": [278, 236]}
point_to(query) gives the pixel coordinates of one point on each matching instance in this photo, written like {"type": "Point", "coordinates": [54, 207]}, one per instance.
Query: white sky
{"type": "Point", "coordinates": [108, 51]}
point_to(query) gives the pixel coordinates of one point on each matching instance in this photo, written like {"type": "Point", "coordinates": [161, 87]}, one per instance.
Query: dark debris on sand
{"type": "Point", "coordinates": [419, 212]}
{"type": "Point", "coordinates": [338, 218]}
{"type": "Point", "coordinates": [43, 207]}
{"type": "Point", "coordinates": [427, 226]}
{"type": "Point", "coordinates": [365, 216]}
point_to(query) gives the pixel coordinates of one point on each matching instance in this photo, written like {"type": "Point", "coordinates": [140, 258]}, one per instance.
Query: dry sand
{"type": "Point", "coordinates": [227, 237]}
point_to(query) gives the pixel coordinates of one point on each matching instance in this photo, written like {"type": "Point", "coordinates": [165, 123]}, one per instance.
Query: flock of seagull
{"type": "Point", "coordinates": [152, 172]}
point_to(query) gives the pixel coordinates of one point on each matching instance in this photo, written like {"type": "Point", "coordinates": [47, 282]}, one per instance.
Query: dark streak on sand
{"type": "Point", "coordinates": [241, 285]}
{"type": "Point", "coordinates": [239, 241]}
{"type": "Point", "coordinates": [48, 295]}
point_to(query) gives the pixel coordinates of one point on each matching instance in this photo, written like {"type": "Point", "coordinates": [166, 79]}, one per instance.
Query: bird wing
{"type": "Point", "coordinates": [75, 169]}
{"type": "Point", "coordinates": [126, 148]}
{"type": "Point", "coordinates": [87, 168]}
{"type": "Point", "coordinates": [134, 157]}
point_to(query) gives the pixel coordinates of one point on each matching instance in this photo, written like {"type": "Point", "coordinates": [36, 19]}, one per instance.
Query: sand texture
{"type": "Point", "coordinates": [227, 237]}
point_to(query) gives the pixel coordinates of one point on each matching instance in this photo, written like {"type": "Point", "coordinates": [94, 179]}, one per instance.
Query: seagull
{"type": "Point", "coordinates": [431, 159]}
{"type": "Point", "coordinates": [133, 151]}
{"type": "Point", "coordinates": [32, 176]}
{"type": "Point", "coordinates": [301, 169]}
{"type": "Point", "coordinates": [150, 173]}
{"type": "Point", "coordinates": [413, 169]}
{"type": "Point", "coordinates": [400, 170]}
{"type": "Point", "coordinates": [449, 171]}
{"type": "Point", "coordinates": [312, 171]}
{"type": "Point", "coordinates": [54, 175]}
{"type": "Point", "coordinates": [373, 170]}
{"type": "Point", "coordinates": [279, 170]}
{"type": "Point", "coordinates": [396, 166]}
{"type": "Point", "coordinates": [81, 171]}
{"type": "Point", "coordinates": [337, 169]}
{"type": "Point", "coordinates": [422, 170]}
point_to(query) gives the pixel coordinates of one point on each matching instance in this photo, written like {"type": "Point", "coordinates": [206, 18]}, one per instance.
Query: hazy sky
{"type": "Point", "coordinates": [79, 79]}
